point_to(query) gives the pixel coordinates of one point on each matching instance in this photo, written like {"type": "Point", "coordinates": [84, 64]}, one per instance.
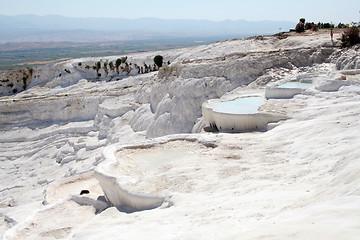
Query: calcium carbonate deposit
{"type": "Point", "coordinates": [96, 148]}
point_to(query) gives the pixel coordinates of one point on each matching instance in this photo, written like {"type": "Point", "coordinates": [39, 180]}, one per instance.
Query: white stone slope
{"type": "Point", "coordinates": [55, 134]}
{"type": "Point", "coordinates": [298, 180]}
{"type": "Point", "coordinates": [14, 81]}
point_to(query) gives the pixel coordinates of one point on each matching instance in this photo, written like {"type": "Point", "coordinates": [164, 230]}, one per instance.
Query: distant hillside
{"type": "Point", "coordinates": [32, 28]}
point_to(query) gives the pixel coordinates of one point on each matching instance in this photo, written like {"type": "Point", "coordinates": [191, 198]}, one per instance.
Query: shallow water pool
{"type": "Point", "coordinates": [248, 105]}
{"type": "Point", "coordinates": [295, 85]}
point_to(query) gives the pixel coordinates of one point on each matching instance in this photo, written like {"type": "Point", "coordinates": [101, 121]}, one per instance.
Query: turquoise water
{"type": "Point", "coordinates": [248, 105]}
{"type": "Point", "coordinates": [294, 85]}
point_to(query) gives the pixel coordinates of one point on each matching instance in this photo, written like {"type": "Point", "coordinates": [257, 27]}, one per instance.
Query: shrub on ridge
{"type": "Point", "coordinates": [350, 37]}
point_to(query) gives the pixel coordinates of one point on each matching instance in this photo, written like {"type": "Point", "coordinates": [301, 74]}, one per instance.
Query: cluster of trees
{"type": "Point", "coordinates": [14, 78]}
{"type": "Point", "coordinates": [349, 38]}
{"type": "Point", "coordinates": [302, 26]}
{"type": "Point", "coordinates": [121, 64]}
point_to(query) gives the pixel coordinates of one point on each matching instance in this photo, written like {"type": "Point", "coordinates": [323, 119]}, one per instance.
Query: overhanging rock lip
{"type": "Point", "coordinates": [238, 122]}
{"type": "Point", "coordinates": [114, 186]}
{"type": "Point", "coordinates": [123, 198]}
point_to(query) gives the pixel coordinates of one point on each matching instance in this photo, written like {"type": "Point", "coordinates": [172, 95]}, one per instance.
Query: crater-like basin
{"type": "Point", "coordinates": [286, 90]}
{"type": "Point", "coordinates": [247, 105]}
{"type": "Point", "coordinates": [238, 115]}
{"type": "Point", "coordinates": [140, 177]}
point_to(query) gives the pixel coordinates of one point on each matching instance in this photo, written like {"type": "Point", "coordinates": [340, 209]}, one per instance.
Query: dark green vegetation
{"type": "Point", "coordinates": [350, 37]}
{"type": "Point", "coordinates": [158, 60]}
{"type": "Point", "coordinates": [300, 27]}
{"type": "Point", "coordinates": [17, 55]}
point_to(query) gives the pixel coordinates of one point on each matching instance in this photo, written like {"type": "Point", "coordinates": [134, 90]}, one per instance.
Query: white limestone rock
{"type": "Point", "coordinates": [283, 173]}
{"type": "Point", "coordinates": [142, 118]}
{"type": "Point", "coordinates": [334, 85]}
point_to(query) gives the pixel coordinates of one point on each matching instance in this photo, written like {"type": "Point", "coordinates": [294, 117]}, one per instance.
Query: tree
{"type": "Point", "coordinates": [106, 67]}
{"type": "Point", "coordinates": [300, 27]}
{"type": "Point", "coordinates": [117, 64]}
{"type": "Point", "coordinates": [325, 25]}
{"type": "Point", "coordinates": [309, 25]}
{"type": "Point", "coordinates": [341, 25]}
{"type": "Point", "coordinates": [158, 60]}
{"type": "Point", "coordinates": [123, 59]}
{"type": "Point", "coordinates": [111, 65]}
{"type": "Point", "coordinates": [98, 66]}
{"type": "Point", "coordinates": [328, 25]}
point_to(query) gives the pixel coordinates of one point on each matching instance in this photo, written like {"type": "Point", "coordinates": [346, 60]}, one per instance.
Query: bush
{"type": "Point", "coordinates": [158, 60]}
{"type": "Point", "coordinates": [308, 26]}
{"type": "Point", "coordinates": [328, 25]}
{"type": "Point", "coordinates": [341, 25]}
{"type": "Point", "coordinates": [325, 25]}
{"type": "Point", "coordinates": [311, 26]}
{"type": "Point", "coordinates": [300, 27]}
{"type": "Point", "coordinates": [167, 71]}
{"type": "Point", "coordinates": [350, 37]}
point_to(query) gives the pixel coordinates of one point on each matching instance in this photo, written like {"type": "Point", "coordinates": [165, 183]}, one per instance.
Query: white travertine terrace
{"type": "Point", "coordinates": [241, 115]}
{"type": "Point", "coordinates": [124, 191]}
{"type": "Point", "coordinates": [72, 131]}
{"type": "Point", "coordinates": [286, 90]}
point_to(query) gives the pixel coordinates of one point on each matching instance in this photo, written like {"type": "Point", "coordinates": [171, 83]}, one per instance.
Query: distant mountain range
{"type": "Point", "coordinates": [33, 28]}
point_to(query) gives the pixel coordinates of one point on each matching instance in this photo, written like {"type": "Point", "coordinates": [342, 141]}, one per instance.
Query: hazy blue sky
{"type": "Point", "coordinates": [253, 10]}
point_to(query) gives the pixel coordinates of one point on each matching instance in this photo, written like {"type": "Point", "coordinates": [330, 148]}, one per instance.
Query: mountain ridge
{"type": "Point", "coordinates": [37, 25]}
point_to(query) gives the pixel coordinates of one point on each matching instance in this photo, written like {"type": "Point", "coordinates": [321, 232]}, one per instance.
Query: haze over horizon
{"type": "Point", "coordinates": [214, 10]}
{"type": "Point", "coordinates": [55, 28]}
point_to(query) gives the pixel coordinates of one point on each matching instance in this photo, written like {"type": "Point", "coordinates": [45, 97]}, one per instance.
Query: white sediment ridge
{"type": "Point", "coordinates": [126, 153]}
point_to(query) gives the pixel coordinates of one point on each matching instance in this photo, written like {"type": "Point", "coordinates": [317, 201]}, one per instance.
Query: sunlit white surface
{"type": "Point", "coordinates": [248, 105]}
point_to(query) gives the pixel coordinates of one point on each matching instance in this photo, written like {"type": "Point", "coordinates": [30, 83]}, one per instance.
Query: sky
{"type": "Point", "coordinates": [217, 10]}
